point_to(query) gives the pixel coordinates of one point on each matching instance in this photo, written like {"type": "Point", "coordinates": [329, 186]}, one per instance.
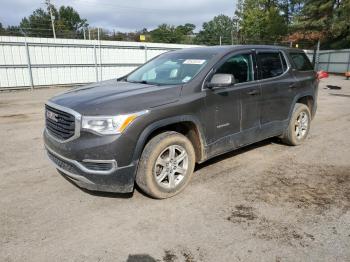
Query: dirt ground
{"type": "Point", "coordinates": [267, 202]}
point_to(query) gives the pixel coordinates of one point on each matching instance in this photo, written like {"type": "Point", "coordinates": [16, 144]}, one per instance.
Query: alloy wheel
{"type": "Point", "coordinates": [301, 125]}
{"type": "Point", "coordinates": [171, 166]}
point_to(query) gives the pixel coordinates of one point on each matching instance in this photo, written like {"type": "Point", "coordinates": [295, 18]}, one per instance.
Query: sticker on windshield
{"type": "Point", "coordinates": [194, 62]}
{"type": "Point", "coordinates": [186, 79]}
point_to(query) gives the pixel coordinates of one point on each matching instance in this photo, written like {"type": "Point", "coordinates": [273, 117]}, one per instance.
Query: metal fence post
{"type": "Point", "coordinates": [146, 58]}
{"type": "Point", "coordinates": [99, 43]}
{"type": "Point", "coordinates": [100, 51]}
{"type": "Point", "coordinates": [95, 58]}
{"type": "Point", "coordinates": [329, 59]}
{"type": "Point", "coordinates": [29, 65]}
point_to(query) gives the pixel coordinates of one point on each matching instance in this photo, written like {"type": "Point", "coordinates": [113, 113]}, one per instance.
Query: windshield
{"type": "Point", "coordinates": [170, 69]}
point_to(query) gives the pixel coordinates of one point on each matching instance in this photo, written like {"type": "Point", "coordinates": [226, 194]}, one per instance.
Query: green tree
{"type": "Point", "coordinates": [165, 33]}
{"type": "Point", "coordinates": [13, 31]}
{"type": "Point", "coordinates": [186, 33]}
{"type": "Point", "coordinates": [261, 21]}
{"type": "Point", "coordinates": [170, 34]}
{"type": "Point", "coordinates": [316, 16]}
{"type": "Point", "coordinates": [186, 29]}
{"type": "Point", "coordinates": [2, 29]}
{"type": "Point", "coordinates": [341, 26]}
{"type": "Point", "coordinates": [290, 8]}
{"type": "Point", "coordinates": [68, 22]}
{"type": "Point", "coordinates": [325, 20]}
{"type": "Point", "coordinates": [221, 26]}
{"type": "Point", "coordinates": [37, 24]}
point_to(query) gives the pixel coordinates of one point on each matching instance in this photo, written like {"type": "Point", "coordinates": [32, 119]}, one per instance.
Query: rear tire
{"type": "Point", "coordinates": [166, 165]}
{"type": "Point", "coordinates": [299, 126]}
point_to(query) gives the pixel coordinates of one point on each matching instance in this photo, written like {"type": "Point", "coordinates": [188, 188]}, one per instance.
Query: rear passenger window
{"type": "Point", "coordinates": [271, 64]}
{"type": "Point", "coordinates": [301, 62]}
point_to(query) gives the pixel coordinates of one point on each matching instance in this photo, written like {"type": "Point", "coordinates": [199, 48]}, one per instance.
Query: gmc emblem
{"type": "Point", "coordinates": [52, 116]}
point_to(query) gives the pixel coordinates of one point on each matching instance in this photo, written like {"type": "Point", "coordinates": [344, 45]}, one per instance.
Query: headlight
{"type": "Point", "coordinates": [109, 125]}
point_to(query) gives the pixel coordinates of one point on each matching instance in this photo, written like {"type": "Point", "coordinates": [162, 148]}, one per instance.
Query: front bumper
{"type": "Point", "coordinates": [116, 179]}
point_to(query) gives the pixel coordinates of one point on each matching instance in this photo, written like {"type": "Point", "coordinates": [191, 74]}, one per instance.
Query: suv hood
{"type": "Point", "coordinates": [111, 97]}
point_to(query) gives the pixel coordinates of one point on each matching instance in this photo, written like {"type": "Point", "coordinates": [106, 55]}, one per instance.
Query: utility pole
{"type": "Point", "coordinates": [234, 28]}
{"type": "Point", "coordinates": [232, 37]}
{"type": "Point", "coordinates": [220, 40]}
{"type": "Point", "coordinates": [52, 18]}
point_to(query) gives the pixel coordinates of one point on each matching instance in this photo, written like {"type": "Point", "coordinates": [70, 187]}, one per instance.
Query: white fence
{"type": "Point", "coordinates": [333, 61]}
{"type": "Point", "coordinates": [33, 62]}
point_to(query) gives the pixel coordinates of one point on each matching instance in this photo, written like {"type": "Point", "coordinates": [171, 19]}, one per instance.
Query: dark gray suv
{"type": "Point", "coordinates": [181, 108]}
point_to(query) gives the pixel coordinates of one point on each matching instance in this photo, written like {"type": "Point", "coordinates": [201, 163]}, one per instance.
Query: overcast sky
{"type": "Point", "coordinates": [126, 15]}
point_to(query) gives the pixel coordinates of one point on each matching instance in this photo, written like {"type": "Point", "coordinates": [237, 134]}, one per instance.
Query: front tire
{"type": "Point", "coordinates": [166, 165]}
{"type": "Point", "coordinates": [299, 126]}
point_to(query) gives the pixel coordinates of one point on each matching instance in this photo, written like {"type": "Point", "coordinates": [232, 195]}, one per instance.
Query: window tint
{"type": "Point", "coordinates": [270, 64]}
{"type": "Point", "coordinates": [301, 61]}
{"type": "Point", "coordinates": [240, 66]}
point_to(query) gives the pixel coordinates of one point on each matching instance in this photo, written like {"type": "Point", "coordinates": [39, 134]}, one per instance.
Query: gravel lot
{"type": "Point", "coordinates": [267, 202]}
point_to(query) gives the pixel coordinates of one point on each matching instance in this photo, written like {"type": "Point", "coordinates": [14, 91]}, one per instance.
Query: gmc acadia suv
{"type": "Point", "coordinates": [181, 108]}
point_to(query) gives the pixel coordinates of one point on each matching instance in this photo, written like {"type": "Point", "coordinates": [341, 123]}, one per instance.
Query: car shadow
{"type": "Point", "coordinates": [236, 152]}
{"type": "Point", "coordinates": [99, 193]}
{"type": "Point", "coordinates": [141, 258]}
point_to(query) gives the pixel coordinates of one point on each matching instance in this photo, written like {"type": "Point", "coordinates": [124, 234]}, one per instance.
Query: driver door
{"type": "Point", "coordinates": [234, 109]}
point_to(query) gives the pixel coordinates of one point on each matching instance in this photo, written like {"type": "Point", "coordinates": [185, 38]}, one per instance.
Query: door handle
{"type": "Point", "coordinates": [253, 92]}
{"type": "Point", "coordinates": [294, 85]}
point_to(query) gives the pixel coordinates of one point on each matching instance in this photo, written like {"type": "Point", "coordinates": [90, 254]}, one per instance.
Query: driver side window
{"type": "Point", "coordinates": [240, 66]}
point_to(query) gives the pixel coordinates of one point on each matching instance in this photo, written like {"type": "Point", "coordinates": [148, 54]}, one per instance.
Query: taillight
{"type": "Point", "coordinates": [322, 74]}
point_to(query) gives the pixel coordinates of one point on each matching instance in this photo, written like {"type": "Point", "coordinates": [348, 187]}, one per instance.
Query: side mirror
{"type": "Point", "coordinates": [221, 80]}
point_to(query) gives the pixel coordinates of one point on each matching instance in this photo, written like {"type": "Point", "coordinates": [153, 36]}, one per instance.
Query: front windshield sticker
{"type": "Point", "coordinates": [194, 62]}
{"type": "Point", "coordinates": [186, 79]}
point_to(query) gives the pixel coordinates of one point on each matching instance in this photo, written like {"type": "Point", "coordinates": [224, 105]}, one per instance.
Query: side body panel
{"type": "Point", "coordinates": [306, 84]}
{"type": "Point", "coordinates": [235, 112]}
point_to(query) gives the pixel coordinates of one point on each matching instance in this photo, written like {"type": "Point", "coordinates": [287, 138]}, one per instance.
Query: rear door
{"type": "Point", "coordinates": [277, 84]}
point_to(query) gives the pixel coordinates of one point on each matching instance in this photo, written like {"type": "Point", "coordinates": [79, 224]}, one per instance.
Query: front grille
{"type": "Point", "coordinates": [60, 124]}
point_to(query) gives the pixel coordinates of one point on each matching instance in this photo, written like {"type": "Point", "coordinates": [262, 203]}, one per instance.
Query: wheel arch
{"type": "Point", "coordinates": [187, 125]}
{"type": "Point", "coordinates": [307, 99]}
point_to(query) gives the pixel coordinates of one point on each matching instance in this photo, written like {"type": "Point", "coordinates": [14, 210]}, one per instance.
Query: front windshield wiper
{"type": "Point", "coordinates": [142, 82]}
